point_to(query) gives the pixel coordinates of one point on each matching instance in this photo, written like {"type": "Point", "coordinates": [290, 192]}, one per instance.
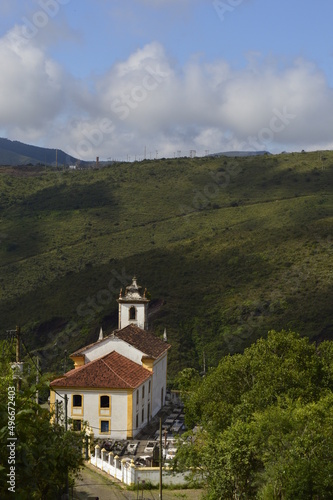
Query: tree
{"type": "Point", "coordinates": [265, 420]}
{"type": "Point", "coordinates": [295, 443]}
{"type": "Point", "coordinates": [43, 454]}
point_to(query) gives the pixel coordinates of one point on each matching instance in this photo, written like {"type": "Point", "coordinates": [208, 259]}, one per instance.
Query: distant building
{"type": "Point", "coordinates": [119, 382]}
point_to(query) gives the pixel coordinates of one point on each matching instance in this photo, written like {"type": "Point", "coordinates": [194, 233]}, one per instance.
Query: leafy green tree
{"type": "Point", "coordinates": [44, 454]}
{"type": "Point", "coordinates": [265, 420]}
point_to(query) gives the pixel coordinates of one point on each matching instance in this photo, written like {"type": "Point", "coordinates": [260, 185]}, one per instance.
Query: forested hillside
{"type": "Point", "coordinates": [228, 248]}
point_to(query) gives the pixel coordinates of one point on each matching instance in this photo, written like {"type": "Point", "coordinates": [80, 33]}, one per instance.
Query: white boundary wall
{"type": "Point", "coordinates": [128, 473]}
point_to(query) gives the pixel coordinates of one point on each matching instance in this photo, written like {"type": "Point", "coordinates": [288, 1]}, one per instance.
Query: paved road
{"type": "Point", "coordinates": [94, 484]}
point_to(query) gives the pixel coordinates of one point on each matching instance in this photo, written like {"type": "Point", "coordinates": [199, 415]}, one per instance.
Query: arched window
{"type": "Point", "coordinates": [132, 313]}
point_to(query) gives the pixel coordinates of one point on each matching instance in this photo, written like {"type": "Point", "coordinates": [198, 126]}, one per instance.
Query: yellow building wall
{"type": "Point", "coordinates": [52, 404]}
{"type": "Point", "coordinates": [130, 415]}
{"type": "Point", "coordinates": [148, 363]}
{"type": "Point", "coordinates": [78, 361]}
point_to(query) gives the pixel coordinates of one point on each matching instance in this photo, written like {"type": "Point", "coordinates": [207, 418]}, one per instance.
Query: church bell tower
{"type": "Point", "coordinates": [133, 307]}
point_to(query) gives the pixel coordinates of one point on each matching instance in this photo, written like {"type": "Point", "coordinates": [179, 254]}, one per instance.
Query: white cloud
{"type": "Point", "coordinates": [30, 83]}
{"type": "Point", "coordinates": [147, 100]}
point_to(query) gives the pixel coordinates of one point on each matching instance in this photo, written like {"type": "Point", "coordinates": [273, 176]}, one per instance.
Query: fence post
{"type": "Point", "coordinates": [132, 472]}
{"type": "Point", "coordinates": [97, 453]}
{"type": "Point", "coordinates": [103, 457]}
{"type": "Point", "coordinates": [116, 465]}
{"type": "Point", "coordinates": [123, 471]}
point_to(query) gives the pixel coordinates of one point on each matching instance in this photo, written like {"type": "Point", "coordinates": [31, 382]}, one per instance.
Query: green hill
{"type": "Point", "coordinates": [227, 247]}
{"type": "Point", "coordinates": [17, 153]}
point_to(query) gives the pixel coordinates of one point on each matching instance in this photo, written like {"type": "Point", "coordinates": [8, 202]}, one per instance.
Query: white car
{"type": "Point", "coordinates": [132, 448]}
{"type": "Point", "coordinates": [177, 426]}
{"type": "Point", "coordinates": [150, 447]}
{"type": "Point", "coordinates": [170, 453]}
{"type": "Point", "coordinates": [143, 461]}
{"type": "Point", "coordinates": [168, 421]}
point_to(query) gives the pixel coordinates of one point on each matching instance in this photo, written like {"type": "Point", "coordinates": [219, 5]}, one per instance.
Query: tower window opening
{"type": "Point", "coordinates": [132, 313]}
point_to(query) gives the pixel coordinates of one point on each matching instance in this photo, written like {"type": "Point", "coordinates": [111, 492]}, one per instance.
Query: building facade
{"type": "Point", "coordinates": [119, 382]}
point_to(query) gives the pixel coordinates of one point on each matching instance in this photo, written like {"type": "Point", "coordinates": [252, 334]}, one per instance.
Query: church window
{"type": "Point", "coordinates": [105, 402]}
{"type": "Point", "coordinates": [77, 425]}
{"type": "Point", "coordinates": [132, 313]}
{"type": "Point", "coordinates": [105, 426]}
{"type": "Point", "coordinates": [77, 400]}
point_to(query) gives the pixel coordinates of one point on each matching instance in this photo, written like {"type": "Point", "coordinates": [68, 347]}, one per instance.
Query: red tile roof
{"type": "Point", "coordinates": [112, 371]}
{"type": "Point", "coordinates": [143, 340]}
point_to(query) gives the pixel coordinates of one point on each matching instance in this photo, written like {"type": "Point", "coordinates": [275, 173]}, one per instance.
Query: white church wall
{"type": "Point", "coordinates": [159, 384]}
{"type": "Point", "coordinates": [113, 344]}
{"type": "Point", "coordinates": [91, 412]}
{"type": "Point", "coordinates": [124, 315]}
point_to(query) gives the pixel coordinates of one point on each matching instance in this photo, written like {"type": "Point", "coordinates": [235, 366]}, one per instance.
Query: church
{"type": "Point", "coordinates": [119, 382]}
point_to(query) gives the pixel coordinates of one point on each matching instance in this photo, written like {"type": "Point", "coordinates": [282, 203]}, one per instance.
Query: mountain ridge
{"type": "Point", "coordinates": [16, 153]}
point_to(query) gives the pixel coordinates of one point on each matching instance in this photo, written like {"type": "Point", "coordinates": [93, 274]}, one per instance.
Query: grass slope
{"type": "Point", "coordinates": [228, 248]}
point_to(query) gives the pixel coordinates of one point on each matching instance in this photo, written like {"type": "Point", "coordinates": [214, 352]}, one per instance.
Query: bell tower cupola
{"type": "Point", "coordinates": [133, 307]}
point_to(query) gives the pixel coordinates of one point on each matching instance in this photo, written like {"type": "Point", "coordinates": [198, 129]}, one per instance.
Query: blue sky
{"type": "Point", "coordinates": [118, 78]}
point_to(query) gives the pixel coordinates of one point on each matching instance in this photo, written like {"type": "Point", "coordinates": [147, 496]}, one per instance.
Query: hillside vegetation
{"type": "Point", "coordinates": [228, 248]}
{"type": "Point", "coordinates": [263, 422]}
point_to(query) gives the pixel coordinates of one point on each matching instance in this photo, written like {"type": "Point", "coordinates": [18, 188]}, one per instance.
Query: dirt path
{"type": "Point", "coordinates": [93, 484]}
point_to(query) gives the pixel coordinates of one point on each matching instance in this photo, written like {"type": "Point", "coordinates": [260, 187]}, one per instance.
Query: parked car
{"type": "Point", "coordinates": [132, 448]}
{"type": "Point", "coordinates": [144, 461]}
{"type": "Point", "coordinates": [150, 446]}
{"type": "Point", "coordinates": [171, 442]}
{"type": "Point", "coordinates": [178, 410]}
{"type": "Point", "coordinates": [107, 445]}
{"type": "Point", "coordinates": [168, 421]}
{"type": "Point", "coordinates": [177, 426]}
{"type": "Point", "coordinates": [170, 453]}
{"type": "Point", "coordinates": [119, 447]}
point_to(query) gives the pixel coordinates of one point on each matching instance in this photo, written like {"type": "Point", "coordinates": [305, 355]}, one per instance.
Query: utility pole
{"type": "Point", "coordinates": [18, 356]}
{"type": "Point", "coordinates": [17, 366]}
{"type": "Point", "coordinates": [65, 361]}
{"type": "Point", "coordinates": [161, 455]}
{"type": "Point", "coordinates": [66, 429]}
{"type": "Point", "coordinates": [37, 379]}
